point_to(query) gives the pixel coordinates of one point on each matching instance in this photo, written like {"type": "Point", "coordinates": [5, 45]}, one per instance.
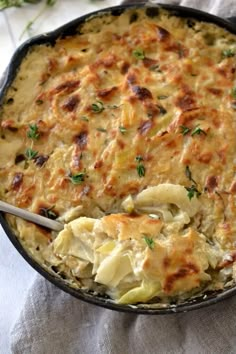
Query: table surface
{"type": "Point", "coordinates": [15, 274]}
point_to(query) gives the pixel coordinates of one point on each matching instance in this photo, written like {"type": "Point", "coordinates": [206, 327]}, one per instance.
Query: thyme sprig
{"type": "Point", "coordinates": [140, 167]}
{"type": "Point", "coordinates": [48, 212]}
{"type": "Point", "coordinates": [97, 107]}
{"type": "Point", "coordinates": [138, 54]}
{"type": "Point", "coordinates": [188, 174]}
{"type": "Point", "coordinates": [228, 53]}
{"type": "Point", "coordinates": [192, 191]}
{"type": "Point", "coordinates": [77, 178]}
{"type": "Point", "coordinates": [33, 132]}
{"type": "Point", "coordinates": [149, 241]}
{"type": "Point", "coordinates": [197, 131]}
{"type": "Point", "coordinates": [5, 4]}
{"type": "Point", "coordinates": [30, 153]}
{"type": "Point", "coordinates": [28, 27]}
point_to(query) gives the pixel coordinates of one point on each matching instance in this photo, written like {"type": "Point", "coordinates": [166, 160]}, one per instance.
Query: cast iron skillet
{"type": "Point", "coordinates": [49, 38]}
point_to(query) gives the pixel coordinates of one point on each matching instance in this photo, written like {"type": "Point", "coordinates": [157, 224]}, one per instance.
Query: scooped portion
{"type": "Point", "coordinates": [140, 255]}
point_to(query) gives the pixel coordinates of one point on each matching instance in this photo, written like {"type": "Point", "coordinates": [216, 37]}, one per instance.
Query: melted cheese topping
{"type": "Point", "coordinates": [128, 129]}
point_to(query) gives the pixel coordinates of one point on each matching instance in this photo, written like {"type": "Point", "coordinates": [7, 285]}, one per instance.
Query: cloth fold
{"type": "Point", "coordinates": [53, 322]}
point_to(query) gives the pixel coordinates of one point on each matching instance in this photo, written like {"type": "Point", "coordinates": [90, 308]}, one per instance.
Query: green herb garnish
{"type": "Point", "coordinates": [233, 92]}
{"type": "Point", "coordinates": [141, 170]}
{"type": "Point", "coordinates": [192, 191]}
{"type": "Point", "coordinates": [138, 54]}
{"type": "Point", "coordinates": [5, 4]}
{"type": "Point", "coordinates": [30, 154]}
{"type": "Point", "coordinates": [33, 132]}
{"type": "Point", "coordinates": [28, 27]}
{"type": "Point", "coordinates": [48, 212]}
{"type": "Point", "coordinates": [140, 167]}
{"type": "Point", "coordinates": [123, 130]}
{"type": "Point", "coordinates": [103, 130]}
{"type": "Point", "coordinates": [139, 158]}
{"type": "Point", "coordinates": [197, 131]}
{"type": "Point", "coordinates": [184, 130]}
{"type": "Point", "coordinates": [155, 68]}
{"type": "Point", "coordinates": [228, 53]}
{"type": "Point", "coordinates": [149, 241]}
{"type": "Point", "coordinates": [188, 174]}
{"type": "Point", "coordinates": [113, 106]}
{"type": "Point", "coordinates": [97, 107]}
{"type": "Point", "coordinates": [78, 178]}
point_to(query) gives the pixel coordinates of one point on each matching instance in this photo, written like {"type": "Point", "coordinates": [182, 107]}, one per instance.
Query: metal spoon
{"type": "Point", "coordinates": [27, 215]}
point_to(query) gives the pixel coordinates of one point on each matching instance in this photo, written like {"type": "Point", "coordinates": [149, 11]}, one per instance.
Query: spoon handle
{"type": "Point", "coordinates": [27, 215]}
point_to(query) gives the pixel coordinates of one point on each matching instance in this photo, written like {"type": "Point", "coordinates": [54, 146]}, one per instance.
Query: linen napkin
{"type": "Point", "coordinates": [53, 322]}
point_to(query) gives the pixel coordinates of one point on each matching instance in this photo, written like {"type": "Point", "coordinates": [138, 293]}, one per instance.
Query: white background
{"type": "Point", "coordinates": [16, 275]}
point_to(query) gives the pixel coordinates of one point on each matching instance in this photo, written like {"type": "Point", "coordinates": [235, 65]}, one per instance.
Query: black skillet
{"type": "Point", "coordinates": [50, 38]}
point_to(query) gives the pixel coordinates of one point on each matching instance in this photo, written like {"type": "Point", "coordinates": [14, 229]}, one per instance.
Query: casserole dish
{"type": "Point", "coordinates": [141, 164]}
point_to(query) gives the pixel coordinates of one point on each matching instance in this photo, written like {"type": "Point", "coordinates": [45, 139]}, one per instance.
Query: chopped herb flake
{"type": "Point", "coordinates": [155, 68]}
{"type": "Point", "coordinates": [139, 158]}
{"type": "Point", "coordinates": [102, 130]}
{"type": "Point", "coordinates": [78, 178]}
{"type": "Point", "coordinates": [138, 54]}
{"type": "Point", "coordinates": [33, 132]}
{"type": "Point", "coordinates": [97, 107]}
{"type": "Point", "coordinates": [192, 191]}
{"type": "Point", "coordinates": [228, 53]}
{"type": "Point", "coordinates": [30, 154]}
{"type": "Point", "coordinates": [184, 130]}
{"type": "Point", "coordinates": [197, 131]}
{"type": "Point", "coordinates": [113, 106]}
{"type": "Point", "coordinates": [48, 212]}
{"type": "Point", "coordinates": [123, 130]}
{"type": "Point", "coordinates": [149, 241]}
{"type": "Point", "coordinates": [141, 170]}
{"type": "Point", "coordinates": [233, 93]}
{"type": "Point", "coordinates": [188, 174]}
{"type": "Point", "coordinates": [50, 2]}
{"type": "Point", "coordinates": [140, 167]}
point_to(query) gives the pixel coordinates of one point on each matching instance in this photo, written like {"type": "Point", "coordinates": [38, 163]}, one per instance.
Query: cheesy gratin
{"type": "Point", "coordinates": [126, 132]}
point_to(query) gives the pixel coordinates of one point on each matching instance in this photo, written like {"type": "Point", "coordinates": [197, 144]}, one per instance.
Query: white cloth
{"type": "Point", "coordinates": [54, 322]}
{"type": "Point", "coordinates": [16, 276]}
